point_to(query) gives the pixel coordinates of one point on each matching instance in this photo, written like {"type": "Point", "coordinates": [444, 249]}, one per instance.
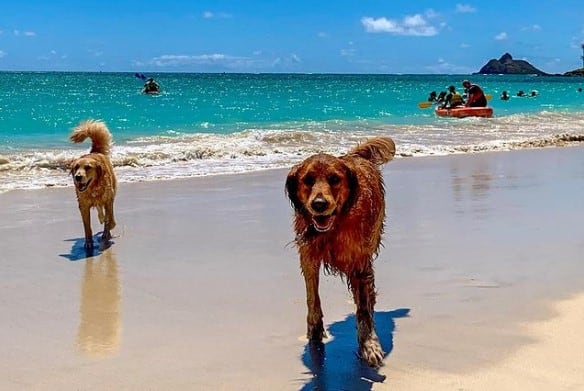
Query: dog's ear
{"type": "Point", "coordinates": [353, 186]}
{"type": "Point", "coordinates": [71, 166]}
{"type": "Point", "coordinates": [292, 188]}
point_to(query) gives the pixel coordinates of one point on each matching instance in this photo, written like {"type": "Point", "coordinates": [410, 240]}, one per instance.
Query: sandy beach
{"type": "Point", "coordinates": [480, 284]}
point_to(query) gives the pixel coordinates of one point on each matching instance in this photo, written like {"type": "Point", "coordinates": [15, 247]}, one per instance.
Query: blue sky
{"type": "Point", "coordinates": [343, 36]}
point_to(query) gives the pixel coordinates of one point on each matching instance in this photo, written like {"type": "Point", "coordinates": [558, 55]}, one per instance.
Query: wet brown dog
{"type": "Point", "coordinates": [94, 178]}
{"type": "Point", "coordinates": [339, 205]}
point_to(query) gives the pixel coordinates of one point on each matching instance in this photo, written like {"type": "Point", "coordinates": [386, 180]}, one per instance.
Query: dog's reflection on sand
{"type": "Point", "coordinates": [99, 329]}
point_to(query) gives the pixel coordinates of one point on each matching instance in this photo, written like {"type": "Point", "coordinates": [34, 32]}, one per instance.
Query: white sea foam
{"type": "Point", "coordinates": [180, 155]}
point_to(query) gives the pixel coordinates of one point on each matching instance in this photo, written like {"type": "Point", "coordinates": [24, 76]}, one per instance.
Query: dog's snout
{"type": "Point", "coordinates": [78, 177]}
{"type": "Point", "coordinates": [319, 205]}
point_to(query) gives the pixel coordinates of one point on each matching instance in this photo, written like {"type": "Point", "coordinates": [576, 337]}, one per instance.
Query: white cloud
{"type": "Point", "coordinates": [2, 53]}
{"type": "Point", "coordinates": [430, 13]}
{"type": "Point", "coordinates": [294, 58]}
{"type": "Point", "coordinates": [465, 8]}
{"type": "Point", "coordinates": [25, 33]}
{"type": "Point", "coordinates": [95, 52]}
{"type": "Point", "coordinates": [444, 67]}
{"type": "Point", "coordinates": [414, 25]}
{"type": "Point", "coordinates": [501, 36]}
{"type": "Point", "coordinates": [177, 60]}
{"type": "Point", "coordinates": [533, 27]}
{"type": "Point", "coordinates": [347, 52]}
{"type": "Point", "coordinates": [211, 15]}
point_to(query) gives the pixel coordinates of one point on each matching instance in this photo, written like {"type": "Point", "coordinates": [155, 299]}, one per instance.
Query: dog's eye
{"type": "Point", "coordinates": [308, 180]}
{"type": "Point", "coordinates": [333, 179]}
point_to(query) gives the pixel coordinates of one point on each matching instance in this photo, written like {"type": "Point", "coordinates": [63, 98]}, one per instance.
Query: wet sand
{"type": "Point", "coordinates": [479, 281]}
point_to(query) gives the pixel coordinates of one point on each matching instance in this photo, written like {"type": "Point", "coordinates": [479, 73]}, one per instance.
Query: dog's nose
{"type": "Point", "coordinates": [319, 205]}
{"type": "Point", "coordinates": [78, 178]}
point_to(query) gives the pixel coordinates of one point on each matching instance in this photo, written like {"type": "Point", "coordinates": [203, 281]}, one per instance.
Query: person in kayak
{"type": "Point", "coordinates": [441, 96]}
{"type": "Point", "coordinates": [476, 96]}
{"type": "Point", "coordinates": [453, 99]}
{"type": "Point", "coordinates": [151, 86]}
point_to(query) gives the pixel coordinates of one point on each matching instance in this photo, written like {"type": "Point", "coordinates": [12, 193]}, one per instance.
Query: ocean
{"type": "Point", "coordinates": [213, 124]}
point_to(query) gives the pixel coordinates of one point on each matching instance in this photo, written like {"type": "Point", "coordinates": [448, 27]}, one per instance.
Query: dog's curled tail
{"type": "Point", "coordinates": [99, 134]}
{"type": "Point", "coordinates": [377, 150]}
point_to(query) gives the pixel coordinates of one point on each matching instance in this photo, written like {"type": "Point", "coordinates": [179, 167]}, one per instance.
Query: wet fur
{"type": "Point", "coordinates": [339, 213]}
{"type": "Point", "coordinates": [94, 178]}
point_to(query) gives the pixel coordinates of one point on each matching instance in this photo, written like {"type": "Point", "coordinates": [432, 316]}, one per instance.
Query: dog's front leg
{"type": "Point", "coordinates": [310, 271]}
{"type": "Point", "coordinates": [86, 217]}
{"type": "Point", "coordinates": [363, 288]}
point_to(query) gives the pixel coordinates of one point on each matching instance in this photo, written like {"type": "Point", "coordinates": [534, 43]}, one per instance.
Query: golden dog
{"type": "Point", "coordinates": [339, 205]}
{"type": "Point", "coordinates": [94, 178]}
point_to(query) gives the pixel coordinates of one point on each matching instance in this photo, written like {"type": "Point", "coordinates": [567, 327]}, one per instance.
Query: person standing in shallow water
{"type": "Point", "coordinates": [476, 96]}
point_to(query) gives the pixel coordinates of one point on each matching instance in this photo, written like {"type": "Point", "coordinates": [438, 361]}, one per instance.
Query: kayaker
{"type": "Point", "coordinates": [453, 99]}
{"type": "Point", "coordinates": [432, 97]}
{"type": "Point", "coordinates": [476, 96]}
{"type": "Point", "coordinates": [504, 95]}
{"type": "Point", "coordinates": [441, 96]}
{"type": "Point", "coordinates": [151, 86]}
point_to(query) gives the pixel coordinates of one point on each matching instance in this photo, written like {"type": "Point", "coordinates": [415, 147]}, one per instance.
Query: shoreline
{"type": "Point", "coordinates": [55, 174]}
{"type": "Point", "coordinates": [479, 275]}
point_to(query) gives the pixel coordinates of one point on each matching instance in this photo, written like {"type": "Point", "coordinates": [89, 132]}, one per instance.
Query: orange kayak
{"type": "Point", "coordinates": [461, 112]}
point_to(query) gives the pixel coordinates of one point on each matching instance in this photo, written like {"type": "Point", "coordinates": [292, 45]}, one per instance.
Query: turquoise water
{"type": "Point", "coordinates": [205, 124]}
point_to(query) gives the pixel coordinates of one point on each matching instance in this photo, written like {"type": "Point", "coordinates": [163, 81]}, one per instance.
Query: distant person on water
{"type": "Point", "coordinates": [504, 95]}
{"type": "Point", "coordinates": [433, 97]}
{"type": "Point", "coordinates": [520, 93]}
{"type": "Point", "coordinates": [151, 86]}
{"type": "Point", "coordinates": [453, 99]}
{"type": "Point", "coordinates": [476, 96]}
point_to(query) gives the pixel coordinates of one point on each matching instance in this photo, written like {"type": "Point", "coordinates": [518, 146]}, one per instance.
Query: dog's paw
{"type": "Point", "coordinates": [372, 352]}
{"type": "Point", "coordinates": [106, 236]}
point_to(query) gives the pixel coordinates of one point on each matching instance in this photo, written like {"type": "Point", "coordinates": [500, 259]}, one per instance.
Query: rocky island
{"type": "Point", "coordinates": [506, 65]}
{"type": "Point", "coordinates": [576, 72]}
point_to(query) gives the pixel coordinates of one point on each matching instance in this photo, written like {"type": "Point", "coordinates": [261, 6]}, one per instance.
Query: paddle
{"type": "Point", "coordinates": [425, 105]}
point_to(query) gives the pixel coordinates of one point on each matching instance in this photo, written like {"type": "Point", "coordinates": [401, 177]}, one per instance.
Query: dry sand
{"type": "Point", "coordinates": [480, 285]}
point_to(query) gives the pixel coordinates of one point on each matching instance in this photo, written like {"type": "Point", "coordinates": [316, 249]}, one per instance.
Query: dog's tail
{"type": "Point", "coordinates": [99, 134]}
{"type": "Point", "coordinates": [377, 150]}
